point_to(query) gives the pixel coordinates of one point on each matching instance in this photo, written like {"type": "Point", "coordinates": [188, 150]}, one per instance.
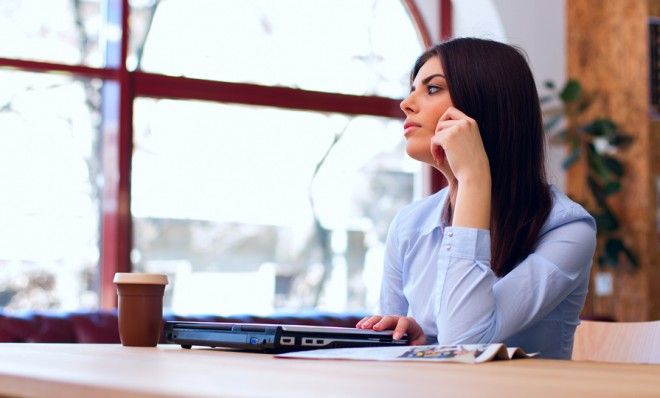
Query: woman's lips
{"type": "Point", "coordinates": [409, 130]}
{"type": "Point", "coordinates": [409, 127]}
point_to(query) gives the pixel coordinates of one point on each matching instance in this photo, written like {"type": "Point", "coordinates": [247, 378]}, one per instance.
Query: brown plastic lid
{"type": "Point", "coordinates": [140, 278]}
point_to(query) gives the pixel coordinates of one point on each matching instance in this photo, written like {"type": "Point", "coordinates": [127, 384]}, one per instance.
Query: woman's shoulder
{"type": "Point", "coordinates": [564, 211]}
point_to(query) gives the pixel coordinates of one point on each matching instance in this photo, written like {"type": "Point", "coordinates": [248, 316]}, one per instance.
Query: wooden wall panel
{"type": "Point", "coordinates": [655, 188]}
{"type": "Point", "coordinates": [607, 50]}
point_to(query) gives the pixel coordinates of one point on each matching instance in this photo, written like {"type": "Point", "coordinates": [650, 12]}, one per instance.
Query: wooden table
{"type": "Point", "coordinates": [95, 370]}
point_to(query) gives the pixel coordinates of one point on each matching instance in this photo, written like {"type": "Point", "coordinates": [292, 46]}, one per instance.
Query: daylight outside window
{"type": "Point", "coordinates": [248, 209]}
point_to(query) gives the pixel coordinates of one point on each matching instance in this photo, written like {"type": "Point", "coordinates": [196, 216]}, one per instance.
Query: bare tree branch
{"type": "Point", "coordinates": [322, 233]}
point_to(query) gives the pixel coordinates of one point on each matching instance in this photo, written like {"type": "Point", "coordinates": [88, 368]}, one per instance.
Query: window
{"type": "Point", "coordinates": [259, 150]}
{"type": "Point", "coordinates": [229, 192]}
{"type": "Point", "coordinates": [360, 47]}
{"type": "Point", "coordinates": [64, 31]}
{"type": "Point", "coordinates": [49, 175]}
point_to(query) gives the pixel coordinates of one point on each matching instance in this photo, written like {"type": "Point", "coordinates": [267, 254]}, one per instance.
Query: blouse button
{"type": "Point", "coordinates": [448, 247]}
{"type": "Point", "coordinates": [451, 234]}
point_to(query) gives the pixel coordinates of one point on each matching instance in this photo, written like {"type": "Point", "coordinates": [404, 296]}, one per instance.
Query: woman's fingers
{"type": "Point", "coordinates": [453, 114]}
{"type": "Point", "coordinates": [415, 333]}
{"type": "Point", "coordinates": [401, 328]}
{"type": "Point", "coordinates": [438, 154]}
{"type": "Point", "coordinates": [445, 124]}
{"type": "Point", "coordinates": [418, 340]}
{"type": "Point", "coordinates": [388, 322]}
{"type": "Point", "coordinates": [362, 321]}
{"type": "Point", "coordinates": [401, 325]}
{"type": "Point", "coordinates": [369, 322]}
{"type": "Point", "coordinates": [439, 140]}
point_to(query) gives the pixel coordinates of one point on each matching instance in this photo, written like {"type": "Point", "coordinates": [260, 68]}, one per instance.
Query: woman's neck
{"type": "Point", "coordinates": [453, 189]}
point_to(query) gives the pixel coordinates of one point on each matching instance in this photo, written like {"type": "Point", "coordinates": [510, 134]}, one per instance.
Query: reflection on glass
{"type": "Point", "coordinates": [49, 207]}
{"type": "Point", "coordinates": [64, 31]}
{"type": "Point", "coordinates": [362, 47]}
{"type": "Point", "coordinates": [256, 209]}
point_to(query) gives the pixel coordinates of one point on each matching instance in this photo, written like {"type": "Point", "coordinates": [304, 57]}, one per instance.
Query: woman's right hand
{"type": "Point", "coordinates": [457, 142]}
{"type": "Point", "coordinates": [401, 325]}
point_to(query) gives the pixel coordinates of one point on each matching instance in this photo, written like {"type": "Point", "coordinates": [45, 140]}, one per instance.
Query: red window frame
{"type": "Point", "coordinates": [116, 241]}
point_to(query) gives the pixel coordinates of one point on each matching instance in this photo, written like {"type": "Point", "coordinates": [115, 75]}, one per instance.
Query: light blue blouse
{"type": "Point", "coordinates": [440, 275]}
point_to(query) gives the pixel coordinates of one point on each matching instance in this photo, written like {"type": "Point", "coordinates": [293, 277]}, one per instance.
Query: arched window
{"type": "Point", "coordinates": [252, 150]}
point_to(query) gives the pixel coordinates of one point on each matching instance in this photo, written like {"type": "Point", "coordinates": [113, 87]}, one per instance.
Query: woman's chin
{"type": "Point", "coordinates": [419, 155]}
{"type": "Point", "coordinates": [425, 156]}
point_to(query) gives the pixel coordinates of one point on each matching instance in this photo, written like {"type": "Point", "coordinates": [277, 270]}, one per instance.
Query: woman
{"type": "Point", "coordinates": [498, 255]}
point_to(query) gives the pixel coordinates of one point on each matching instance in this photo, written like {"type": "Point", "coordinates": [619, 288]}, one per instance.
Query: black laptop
{"type": "Point", "coordinates": [274, 338]}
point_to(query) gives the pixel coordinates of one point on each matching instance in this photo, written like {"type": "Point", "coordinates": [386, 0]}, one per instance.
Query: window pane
{"type": "Point", "coordinates": [362, 47]}
{"type": "Point", "coordinates": [49, 207]}
{"type": "Point", "coordinates": [63, 31]}
{"type": "Point", "coordinates": [226, 200]}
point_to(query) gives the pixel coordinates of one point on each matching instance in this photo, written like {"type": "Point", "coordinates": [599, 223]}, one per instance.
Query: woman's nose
{"type": "Point", "coordinates": [407, 105]}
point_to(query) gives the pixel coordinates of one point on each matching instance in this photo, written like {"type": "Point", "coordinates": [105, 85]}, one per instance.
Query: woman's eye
{"type": "Point", "coordinates": [433, 89]}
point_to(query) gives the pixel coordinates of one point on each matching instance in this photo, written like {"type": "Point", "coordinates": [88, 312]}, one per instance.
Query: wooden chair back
{"type": "Point", "coordinates": [624, 342]}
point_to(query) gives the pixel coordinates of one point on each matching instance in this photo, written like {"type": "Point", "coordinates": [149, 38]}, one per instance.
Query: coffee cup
{"type": "Point", "coordinates": [140, 304]}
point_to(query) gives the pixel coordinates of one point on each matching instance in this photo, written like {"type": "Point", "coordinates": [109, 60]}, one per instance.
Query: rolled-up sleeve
{"type": "Point", "coordinates": [475, 306]}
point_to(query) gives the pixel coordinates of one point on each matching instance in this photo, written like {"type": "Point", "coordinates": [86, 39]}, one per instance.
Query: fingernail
{"type": "Point", "coordinates": [396, 336]}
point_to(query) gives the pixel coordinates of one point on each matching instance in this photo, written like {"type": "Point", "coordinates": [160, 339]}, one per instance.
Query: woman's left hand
{"type": "Point", "coordinates": [401, 325]}
{"type": "Point", "coordinates": [458, 136]}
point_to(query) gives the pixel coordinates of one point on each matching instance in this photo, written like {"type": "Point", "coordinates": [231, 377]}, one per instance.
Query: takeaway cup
{"type": "Point", "coordinates": [140, 298]}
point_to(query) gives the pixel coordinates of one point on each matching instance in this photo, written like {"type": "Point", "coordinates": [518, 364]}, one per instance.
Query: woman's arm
{"type": "Point", "coordinates": [474, 307]}
{"type": "Point", "coordinates": [392, 299]}
{"type": "Point", "coordinates": [458, 136]}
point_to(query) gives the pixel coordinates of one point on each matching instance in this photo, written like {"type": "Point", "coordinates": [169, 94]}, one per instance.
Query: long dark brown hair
{"type": "Point", "coordinates": [492, 83]}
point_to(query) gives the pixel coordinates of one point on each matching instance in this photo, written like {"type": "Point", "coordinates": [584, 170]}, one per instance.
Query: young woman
{"type": "Point", "coordinates": [498, 255]}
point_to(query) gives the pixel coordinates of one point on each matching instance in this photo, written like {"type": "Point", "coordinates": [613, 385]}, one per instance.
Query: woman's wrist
{"type": "Point", "coordinates": [473, 201]}
{"type": "Point", "coordinates": [478, 174]}
{"type": "Point", "coordinates": [476, 180]}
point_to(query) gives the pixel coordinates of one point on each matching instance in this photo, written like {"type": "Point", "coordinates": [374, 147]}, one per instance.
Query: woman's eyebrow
{"type": "Point", "coordinates": [427, 80]}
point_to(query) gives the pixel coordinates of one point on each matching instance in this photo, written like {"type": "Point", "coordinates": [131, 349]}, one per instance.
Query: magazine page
{"type": "Point", "coordinates": [464, 353]}
{"type": "Point", "coordinates": [517, 352]}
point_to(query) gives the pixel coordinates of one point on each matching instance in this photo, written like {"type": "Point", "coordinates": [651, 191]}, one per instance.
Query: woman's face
{"type": "Point", "coordinates": [427, 102]}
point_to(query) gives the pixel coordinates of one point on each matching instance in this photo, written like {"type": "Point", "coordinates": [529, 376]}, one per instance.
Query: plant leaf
{"type": "Point", "coordinates": [600, 128]}
{"type": "Point", "coordinates": [571, 91]}
{"type": "Point", "coordinates": [631, 256]}
{"type": "Point", "coordinates": [571, 158]}
{"type": "Point", "coordinates": [552, 123]}
{"type": "Point", "coordinates": [621, 140]}
{"type": "Point", "coordinates": [613, 247]}
{"type": "Point", "coordinates": [613, 165]}
{"type": "Point", "coordinates": [597, 165]}
{"type": "Point", "coordinates": [606, 222]}
{"type": "Point", "coordinates": [612, 187]}
{"type": "Point", "coordinates": [598, 192]}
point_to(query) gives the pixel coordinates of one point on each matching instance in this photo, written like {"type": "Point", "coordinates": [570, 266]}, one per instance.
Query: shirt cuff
{"type": "Point", "coordinates": [466, 243]}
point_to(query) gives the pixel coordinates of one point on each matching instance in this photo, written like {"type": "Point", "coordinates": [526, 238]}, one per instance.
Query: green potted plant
{"type": "Point", "coordinates": [598, 142]}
